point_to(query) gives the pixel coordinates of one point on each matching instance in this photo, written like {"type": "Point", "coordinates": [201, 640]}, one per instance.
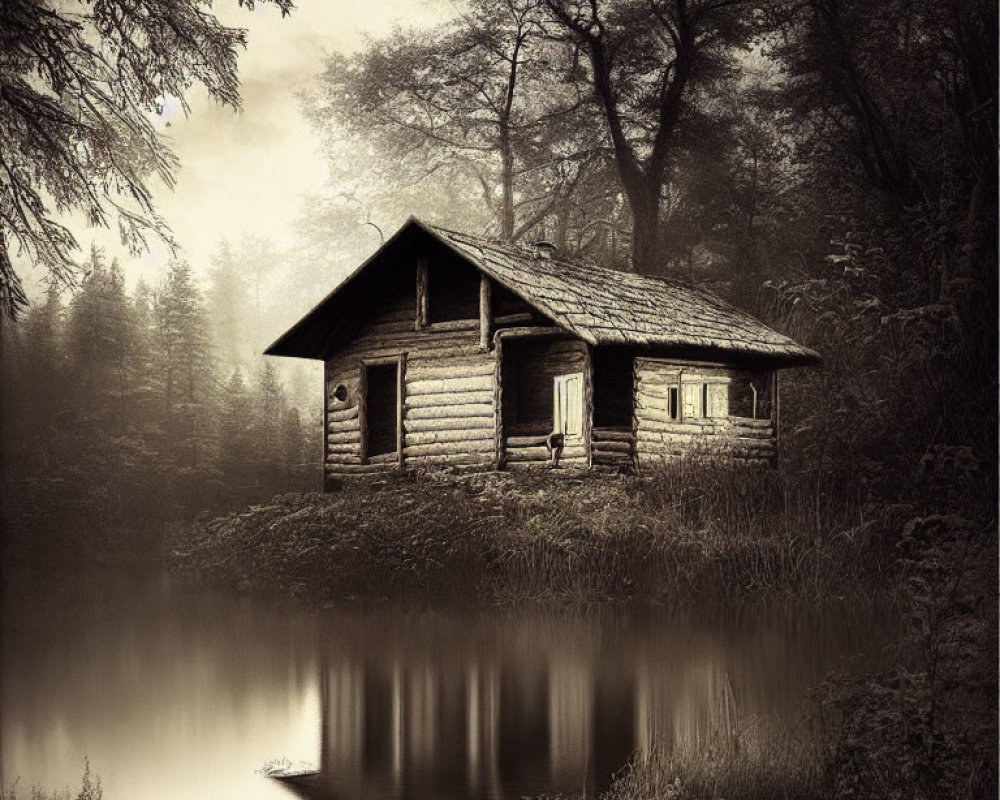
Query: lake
{"type": "Point", "coordinates": [179, 690]}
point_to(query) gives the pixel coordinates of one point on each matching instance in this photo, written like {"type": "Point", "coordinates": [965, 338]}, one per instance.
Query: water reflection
{"type": "Point", "coordinates": [176, 691]}
{"type": "Point", "coordinates": [452, 707]}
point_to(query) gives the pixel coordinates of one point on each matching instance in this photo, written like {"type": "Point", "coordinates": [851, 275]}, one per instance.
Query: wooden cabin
{"type": "Point", "coordinates": [450, 350]}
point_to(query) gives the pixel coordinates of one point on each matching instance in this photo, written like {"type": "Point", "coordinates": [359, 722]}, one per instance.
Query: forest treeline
{"type": "Point", "coordinates": [124, 410]}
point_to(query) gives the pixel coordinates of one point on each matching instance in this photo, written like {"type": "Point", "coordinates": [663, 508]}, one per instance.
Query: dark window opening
{"type": "Point", "coordinates": [381, 409]}
{"type": "Point", "coordinates": [507, 304]}
{"type": "Point", "coordinates": [613, 387]}
{"type": "Point", "coordinates": [750, 395]}
{"type": "Point", "coordinates": [673, 403]}
{"type": "Point", "coordinates": [452, 291]}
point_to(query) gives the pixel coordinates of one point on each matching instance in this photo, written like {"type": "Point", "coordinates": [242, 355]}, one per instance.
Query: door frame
{"type": "Point", "coordinates": [400, 362]}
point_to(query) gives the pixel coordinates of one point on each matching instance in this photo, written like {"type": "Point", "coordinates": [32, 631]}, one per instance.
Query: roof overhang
{"type": "Point", "coordinates": [320, 331]}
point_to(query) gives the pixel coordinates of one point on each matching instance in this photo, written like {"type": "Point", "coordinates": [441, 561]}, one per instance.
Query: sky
{"type": "Point", "coordinates": [248, 172]}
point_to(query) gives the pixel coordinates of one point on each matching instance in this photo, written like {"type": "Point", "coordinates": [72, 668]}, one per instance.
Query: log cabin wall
{"type": "Point", "coordinates": [529, 369]}
{"type": "Point", "coordinates": [447, 387]}
{"type": "Point", "coordinates": [688, 409]}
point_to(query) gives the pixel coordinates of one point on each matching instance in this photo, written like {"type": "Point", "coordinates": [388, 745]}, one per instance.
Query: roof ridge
{"type": "Point", "coordinates": [575, 260]}
{"type": "Point", "coordinates": [599, 304]}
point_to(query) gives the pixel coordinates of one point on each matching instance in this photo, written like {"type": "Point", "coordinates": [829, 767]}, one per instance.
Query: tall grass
{"type": "Point", "coordinates": [90, 789]}
{"type": "Point", "coordinates": [743, 769]}
{"type": "Point", "coordinates": [689, 532]}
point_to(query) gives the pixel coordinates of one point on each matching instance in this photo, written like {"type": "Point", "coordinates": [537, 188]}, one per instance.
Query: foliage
{"type": "Point", "coordinates": [116, 419]}
{"type": "Point", "coordinates": [741, 768]}
{"type": "Point", "coordinates": [477, 100]}
{"type": "Point", "coordinates": [514, 539]}
{"type": "Point", "coordinates": [78, 84]}
{"type": "Point", "coordinates": [927, 728]}
{"type": "Point", "coordinates": [647, 62]}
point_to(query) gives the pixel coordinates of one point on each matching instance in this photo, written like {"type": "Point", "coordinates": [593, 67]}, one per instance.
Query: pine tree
{"type": "Point", "coordinates": [236, 456]}
{"type": "Point", "coordinates": [143, 416]}
{"type": "Point", "coordinates": [185, 368]}
{"type": "Point", "coordinates": [293, 447]}
{"type": "Point", "coordinates": [228, 303]}
{"type": "Point", "coordinates": [39, 361]}
{"type": "Point", "coordinates": [102, 346]}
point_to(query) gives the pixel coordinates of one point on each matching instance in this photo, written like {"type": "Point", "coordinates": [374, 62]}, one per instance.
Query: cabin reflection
{"type": "Point", "coordinates": [476, 727]}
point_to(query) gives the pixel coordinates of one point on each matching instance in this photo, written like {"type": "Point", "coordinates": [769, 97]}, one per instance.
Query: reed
{"type": "Point", "coordinates": [744, 768]}
{"type": "Point", "coordinates": [90, 789]}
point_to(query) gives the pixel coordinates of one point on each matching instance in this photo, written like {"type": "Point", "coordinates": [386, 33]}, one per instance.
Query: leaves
{"type": "Point", "coordinates": [78, 91]}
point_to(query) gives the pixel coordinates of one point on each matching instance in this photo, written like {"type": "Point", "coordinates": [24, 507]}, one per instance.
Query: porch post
{"type": "Point", "coordinates": [485, 311]}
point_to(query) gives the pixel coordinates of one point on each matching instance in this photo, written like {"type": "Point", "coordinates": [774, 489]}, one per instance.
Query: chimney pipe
{"type": "Point", "coordinates": [544, 248]}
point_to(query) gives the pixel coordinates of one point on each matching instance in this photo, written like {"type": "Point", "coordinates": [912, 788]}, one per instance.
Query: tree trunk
{"type": "Point", "coordinates": [644, 202]}
{"type": "Point", "coordinates": [507, 185]}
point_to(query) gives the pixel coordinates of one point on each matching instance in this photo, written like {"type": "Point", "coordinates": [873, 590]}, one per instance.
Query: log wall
{"type": "Point", "coordinates": [450, 387]}
{"type": "Point", "coordinates": [447, 392]}
{"type": "Point", "coordinates": [720, 429]}
{"type": "Point", "coordinates": [613, 447]}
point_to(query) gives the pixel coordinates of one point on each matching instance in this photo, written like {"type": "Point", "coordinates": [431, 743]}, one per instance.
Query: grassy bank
{"type": "Point", "coordinates": [694, 533]}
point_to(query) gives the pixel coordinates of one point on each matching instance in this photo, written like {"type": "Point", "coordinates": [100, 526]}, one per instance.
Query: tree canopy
{"type": "Point", "coordinates": [79, 85]}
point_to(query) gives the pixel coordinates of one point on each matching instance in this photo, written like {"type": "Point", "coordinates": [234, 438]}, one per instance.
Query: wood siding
{"type": "Point", "coordinates": [718, 428]}
{"type": "Point", "coordinates": [447, 392]}
{"type": "Point", "coordinates": [450, 387]}
{"type": "Point", "coordinates": [613, 447]}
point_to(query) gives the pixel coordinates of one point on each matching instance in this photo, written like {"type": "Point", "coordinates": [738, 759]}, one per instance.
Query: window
{"type": "Point", "coordinates": [567, 404]}
{"type": "Point", "coordinates": [692, 398]}
{"type": "Point", "coordinates": [672, 403]}
{"type": "Point", "coordinates": [453, 292]}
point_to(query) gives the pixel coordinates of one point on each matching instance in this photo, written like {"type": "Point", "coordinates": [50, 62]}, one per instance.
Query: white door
{"type": "Point", "coordinates": [567, 404]}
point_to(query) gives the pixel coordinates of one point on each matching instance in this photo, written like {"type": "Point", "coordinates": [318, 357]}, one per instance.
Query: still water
{"type": "Point", "coordinates": [180, 691]}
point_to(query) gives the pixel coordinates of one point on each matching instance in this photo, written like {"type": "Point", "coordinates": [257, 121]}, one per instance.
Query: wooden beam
{"type": "Point", "coordinates": [533, 330]}
{"type": "Point", "coordinates": [363, 410]}
{"type": "Point", "coordinates": [423, 297]}
{"type": "Point", "coordinates": [588, 403]}
{"type": "Point", "coordinates": [485, 311]}
{"type": "Point", "coordinates": [498, 423]}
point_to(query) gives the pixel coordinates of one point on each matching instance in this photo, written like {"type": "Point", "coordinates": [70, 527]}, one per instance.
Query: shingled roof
{"type": "Point", "coordinates": [604, 306]}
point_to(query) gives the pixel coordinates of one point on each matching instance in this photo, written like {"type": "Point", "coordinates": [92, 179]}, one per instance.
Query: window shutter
{"type": "Point", "coordinates": [691, 393]}
{"type": "Point", "coordinates": [718, 400]}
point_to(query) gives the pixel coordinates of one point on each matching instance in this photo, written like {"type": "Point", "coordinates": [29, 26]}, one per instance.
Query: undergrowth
{"type": "Point", "coordinates": [694, 532]}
